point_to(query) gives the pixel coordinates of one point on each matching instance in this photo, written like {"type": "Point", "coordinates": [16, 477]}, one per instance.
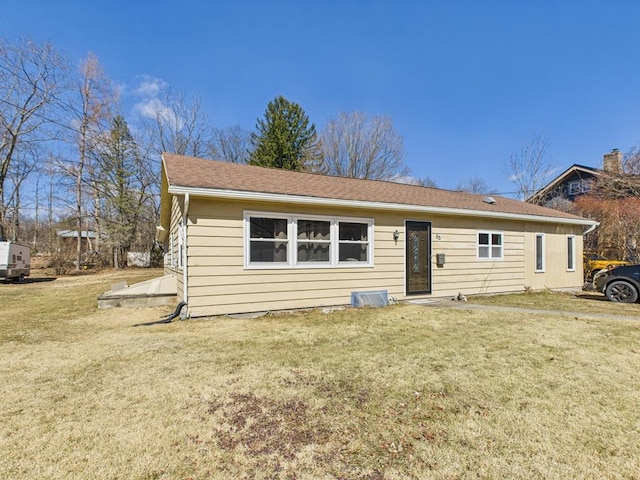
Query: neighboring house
{"type": "Point", "coordinates": [69, 238]}
{"type": "Point", "coordinates": [242, 238]}
{"type": "Point", "coordinates": [576, 180]}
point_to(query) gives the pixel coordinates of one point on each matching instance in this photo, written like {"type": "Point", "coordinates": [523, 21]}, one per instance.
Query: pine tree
{"type": "Point", "coordinates": [284, 138]}
{"type": "Point", "coordinates": [123, 191]}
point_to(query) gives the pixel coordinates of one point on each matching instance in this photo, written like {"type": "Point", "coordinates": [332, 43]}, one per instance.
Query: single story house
{"type": "Point", "coordinates": [242, 238]}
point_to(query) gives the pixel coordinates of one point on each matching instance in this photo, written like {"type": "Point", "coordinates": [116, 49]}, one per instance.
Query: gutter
{"type": "Point", "coordinates": [316, 201]}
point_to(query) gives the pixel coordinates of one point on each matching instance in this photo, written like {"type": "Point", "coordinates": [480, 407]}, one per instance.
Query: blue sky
{"type": "Point", "coordinates": [465, 82]}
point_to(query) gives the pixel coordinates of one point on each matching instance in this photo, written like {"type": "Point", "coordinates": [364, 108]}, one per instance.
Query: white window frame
{"type": "Point", "coordinates": [490, 258]}
{"type": "Point", "coordinates": [541, 252]}
{"type": "Point", "coordinates": [571, 253]}
{"type": "Point", "coordinates": [578, 187]}
{"type": "Point", "coordinates": [292, 241]}
{"type": "Point", "coordinates": [247, 240]}
{"type": "Point", "coordinates": [181, 241]}
{"type": "Point", "coordinates": [171, 256]}
{"type": "Point", "coordinates": [575, 187]}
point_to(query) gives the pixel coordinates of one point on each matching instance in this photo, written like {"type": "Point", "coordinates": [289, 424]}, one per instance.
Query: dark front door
{"type": "Point", "coordinates": [418, 257]}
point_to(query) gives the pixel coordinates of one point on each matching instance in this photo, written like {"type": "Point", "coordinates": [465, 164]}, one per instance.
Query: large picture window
{"type": "Point", "coordinates": [297, 241]}
{"type": "Point", "coordinates": [490, 245]}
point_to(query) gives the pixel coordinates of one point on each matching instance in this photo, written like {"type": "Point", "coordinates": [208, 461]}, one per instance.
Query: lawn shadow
{"type": "Point", "coordinates": [30, 280]}
{"type": "Point", "coordinates": [598, 297]}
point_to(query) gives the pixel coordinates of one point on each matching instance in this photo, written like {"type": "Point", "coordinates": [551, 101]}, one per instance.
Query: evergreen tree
{"type": "Point", "coordinates": [284, 138]}
{"type": "Point", "coordinates": [123, 191]}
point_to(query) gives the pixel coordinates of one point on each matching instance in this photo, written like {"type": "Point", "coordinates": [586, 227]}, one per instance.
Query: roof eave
{"type": "Point", "coordinates": [559, 179]}
{"type": "Point", "coordinates": [315, 201]}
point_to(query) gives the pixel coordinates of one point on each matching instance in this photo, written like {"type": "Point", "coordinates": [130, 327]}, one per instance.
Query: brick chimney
{"type": "Point", "coordinates": [612, 162]}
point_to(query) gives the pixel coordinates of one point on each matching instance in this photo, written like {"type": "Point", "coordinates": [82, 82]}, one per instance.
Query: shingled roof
{"type": "Point", "coordinates": [198, 176]}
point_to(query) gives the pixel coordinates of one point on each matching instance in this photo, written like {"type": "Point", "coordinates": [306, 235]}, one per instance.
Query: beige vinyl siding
{"type": "Point", "coordinates": [220, 284]}
{"type": "Point", "coordinates": [463, 272]}
{"type": "Point", "coordinates": [171, 244]}
{"type": "Point", "coordinates": [555, 275]}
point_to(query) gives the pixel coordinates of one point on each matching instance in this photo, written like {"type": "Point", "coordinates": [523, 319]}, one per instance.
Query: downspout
{"type": "Point", "coordinates": [185, 263]}
{"type": "Point", "coordinates": [590, 229]}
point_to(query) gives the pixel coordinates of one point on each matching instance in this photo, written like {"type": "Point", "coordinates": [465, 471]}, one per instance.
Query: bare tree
{"type": "Point", "coordinates": [18, 172]}
{"type": "Point", "coordinates": [420, 181]}
{"type": "Point", "coordinates": [89, 110]}
{"type": "Point", "coordinates": [530, 168]}
{"type": "Point", "coordinates": [355, 146]}
{"type": "Point", "coordinates": [631, 162]}
{"type": "Point", "coordinates": [32, 76]}
{"type": "Point", "coordinates": [475, 185]}
{"type": "Point", "coordinates": [231, 144]}
{"type": "Point", "coordinates": [176, 124]}
{"type": "Point", "coordinates": [614, 201]}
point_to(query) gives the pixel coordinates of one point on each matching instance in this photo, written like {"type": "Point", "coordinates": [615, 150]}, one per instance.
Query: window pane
{"type": "Point", "coordinates": [261, 251]}
{"type": "Point", "coordinates": [352, 252]}
{"type": "Point", "coordinates": [355, 232]}
{"type": "Point", "coordinates": [496, 239]}
{"type": "Point", "coordinates": [483, 238]}
{"type": "Point", "coordinates": [496, 252]}
{"type": "Point", "coordinates": [313, 230]}
{"type": "Point", "coordinates": [539, 255]}
{"type": "Point", "coordinates": [483, 252]}
{"type": "Point", "coordinates": [268, 227]}
{"type": "Point", "coordinates": [313, 252]}
{"type": "Point", "coordinates": [570, 265]}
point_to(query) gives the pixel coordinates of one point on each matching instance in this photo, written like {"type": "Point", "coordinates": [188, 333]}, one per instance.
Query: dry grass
{"type": "Point", "coordinates": [402, 392]}
{"type": "Point", "coordinates": [586, 302]}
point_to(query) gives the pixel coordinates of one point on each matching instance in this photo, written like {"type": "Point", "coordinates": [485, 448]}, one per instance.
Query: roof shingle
{"type": "Point", "coordinates": [191, 172]}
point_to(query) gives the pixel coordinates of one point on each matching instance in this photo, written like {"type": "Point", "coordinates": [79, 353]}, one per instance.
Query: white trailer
{"type": "Point", "coordinates": [15, 261]}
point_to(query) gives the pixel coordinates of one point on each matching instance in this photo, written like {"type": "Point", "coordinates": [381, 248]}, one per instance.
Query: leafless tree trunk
{"type": "Point", "coordinates": [92, 109]}
{"type": "Point", "coordinates": [18, 174]}
{"type": "Point", "coordinates": [354, 146]}
{"type": "Point", "coordinates": [530, 169]}
{"type": "Point", "coordinates": [475, 185]}
{"type": "Point", "coordinates": [177, 125]}
{"type": "Point", "coordinates": [31, 78]}
{"type": "Point", "coordinates": [231, 144]}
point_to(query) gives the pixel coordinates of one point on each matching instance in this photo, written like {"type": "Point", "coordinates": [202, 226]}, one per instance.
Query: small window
{"type": "Point", "coordinates": [579, 186]}
{"type": "Point", "coordinates": [539, 252]}
{"type": "Point", "coordinates": [574, 188]}
{"type": "Point", "coordinates": [490, 245]}
{"type": "Point", "coordinates": [171, 257]}
{"type": "Point", "coordinates": [571, 256]}
{"type": "Point", "coordinates": [181, 237]}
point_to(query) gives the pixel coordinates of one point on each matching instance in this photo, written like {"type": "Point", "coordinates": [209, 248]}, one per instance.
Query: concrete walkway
{"type": "Point", "coordinates": [448, 303]}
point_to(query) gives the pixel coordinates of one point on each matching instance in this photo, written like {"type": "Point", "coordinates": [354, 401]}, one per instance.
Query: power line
{"type": "Point", "coordinates": [39, 115]}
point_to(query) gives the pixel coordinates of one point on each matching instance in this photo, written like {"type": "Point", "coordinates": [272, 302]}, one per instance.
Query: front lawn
{"type": "Point", "coordinates": [395, 393]}
{"type": "Point", "coordinates": [585, 301]}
